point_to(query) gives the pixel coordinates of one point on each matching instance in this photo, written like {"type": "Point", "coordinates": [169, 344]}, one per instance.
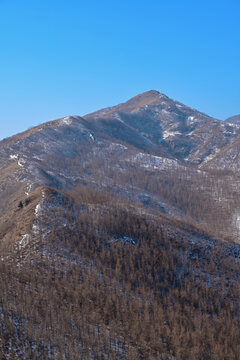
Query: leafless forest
{"type": "Point", "coordinates": [118, 285]}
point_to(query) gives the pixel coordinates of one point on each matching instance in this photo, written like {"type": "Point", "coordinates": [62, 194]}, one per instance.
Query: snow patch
{"type": "Point", "coordinates": [153, 162]}
{"type": "Point", "coordinates": [35, 229]}
{"type": "Point", "coordinates": [167, 134]}
{"type": "Point", "coordinates": [165, 111]}
{"type": "Point", "coordinates": [38, 209]}
{"type": "Point", "coordinates": [236, 126]}
{"type": "Point", "coordinates": [24, 241]}
{"type": "Point", "coordinates": [28, 190]}
{"type": "Point", "coordinates": [116, 146]}
{"type": "Point", "coordinates": [125, 239]}
{"type": "Point", "coordinates": [92, 137]}
{"type": "Point", "coordinates": [37, 157]}
{"type": "Point", "coordinates": [210, 157]}
{"type": "Point", "coordinates": [20, 164]}
{"type": "Point", "coordinates": [237, 222]}
{"type": "Point", "coordinates": [16, 157]}
{"type": "Point", "coordinates": [66, 121]}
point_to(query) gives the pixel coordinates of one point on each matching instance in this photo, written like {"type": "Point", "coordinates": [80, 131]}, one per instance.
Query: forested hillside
{"type": "Point", "coordinates": [119, 236]}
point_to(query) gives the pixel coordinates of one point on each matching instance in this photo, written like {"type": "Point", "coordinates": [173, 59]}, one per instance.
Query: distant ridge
{"type": "Point", "coordinates": [233, 119]}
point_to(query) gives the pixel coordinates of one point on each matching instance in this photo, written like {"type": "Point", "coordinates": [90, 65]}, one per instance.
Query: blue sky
{"type": "Point", "coordinates": [72, 57]}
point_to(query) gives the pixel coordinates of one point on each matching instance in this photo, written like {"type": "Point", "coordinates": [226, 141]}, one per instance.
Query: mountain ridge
{"type": "Point", "coordinates": [233, 119]}
{"type": "Point", "coordinates": [150, 97]}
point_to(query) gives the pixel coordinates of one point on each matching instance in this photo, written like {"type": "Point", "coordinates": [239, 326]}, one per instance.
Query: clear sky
{"type": "Point", "coordinates": [71, 57]}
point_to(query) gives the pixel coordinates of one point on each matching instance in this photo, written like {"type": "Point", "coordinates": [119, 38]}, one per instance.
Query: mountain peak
{"type": "Point", "coordinates": [146, 98]}
{"type": "Point", "coordinates": [151, 97]}
{"type": "Point", "coordinates": [150, 93]}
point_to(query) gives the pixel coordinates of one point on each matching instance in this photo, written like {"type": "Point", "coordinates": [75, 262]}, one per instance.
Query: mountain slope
{"type": "Point", "coordinates": [117, 283]}
{"type": "Point", "coordinates": [228, 158]}
{"type": "Point", "coordinates": [119, 236]}
{"type": "Point", "coordinates": [185, 133]}
{"type": "Point", "coordinates": [233, 120]}
{"type": "Point", "coordinates": [139, 150]}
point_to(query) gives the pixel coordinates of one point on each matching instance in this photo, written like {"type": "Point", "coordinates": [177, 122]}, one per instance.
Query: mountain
{"type": "Point", "coordinates": [150, 133]}
{"type": "Point", "coordinates": [167, 127]}
{"type": "Point", "coordinates": [107, 216]}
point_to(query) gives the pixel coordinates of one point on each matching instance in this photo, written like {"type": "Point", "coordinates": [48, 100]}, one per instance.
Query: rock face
{"type": "Point", "coordinates": [143, 150]}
